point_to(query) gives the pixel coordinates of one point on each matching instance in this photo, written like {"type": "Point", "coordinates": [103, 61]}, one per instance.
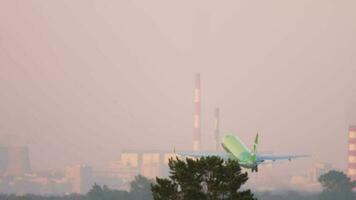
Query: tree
{"type": "Point", "coordinates": [200, 179]}
{"type": "Point", "coordinates": [336, 186]}
{"type": "Point", "coordinates": [96, 192]}
{"type": "Point", "coordinates": [105, 193]}
{"type": "Point", "coordinates": [141, 188]}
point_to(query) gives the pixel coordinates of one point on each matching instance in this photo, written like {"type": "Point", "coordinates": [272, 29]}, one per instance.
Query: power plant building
{"type": "Point", "coordinates": [18, 161]}
{"type": "Point", "coordinates": [80, 177]}
{"type": "Point", "coordinates": [351, 171]}
{"type": "Point", "coordinates": [14, 161]}
{"type": "Point", "coordinates": [147, 163]}
{"type": "Point", "coordinates": [3, 159]}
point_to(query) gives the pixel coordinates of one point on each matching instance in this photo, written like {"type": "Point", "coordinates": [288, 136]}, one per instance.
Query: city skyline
{"type": "Point", "coordinates": [82, 82]}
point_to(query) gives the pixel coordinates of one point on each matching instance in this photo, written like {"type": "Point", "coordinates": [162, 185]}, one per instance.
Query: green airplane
{"type": "Point", "coordinates": [235, 149]}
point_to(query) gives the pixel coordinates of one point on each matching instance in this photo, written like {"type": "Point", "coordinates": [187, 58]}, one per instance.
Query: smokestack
{"type": "Point", "coordinates": [351, 171]}
{"type": "Point", "coordinates": [197, 114]}
{"type": "Point", "coordinates": [217, 129]}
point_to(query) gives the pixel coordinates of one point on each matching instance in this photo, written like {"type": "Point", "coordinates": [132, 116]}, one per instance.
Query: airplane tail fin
{"type": "Point", "coordinates": [254, 150]}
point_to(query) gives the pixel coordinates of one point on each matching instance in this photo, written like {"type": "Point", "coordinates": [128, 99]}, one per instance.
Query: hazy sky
{"type": "Point", "coordinates": [82, 80]}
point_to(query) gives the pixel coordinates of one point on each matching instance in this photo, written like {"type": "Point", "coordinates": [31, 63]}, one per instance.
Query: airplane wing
{"type": "Point", "coordinates": [263, 158]}
{"type": "Point", "coordinates": [194, 154]}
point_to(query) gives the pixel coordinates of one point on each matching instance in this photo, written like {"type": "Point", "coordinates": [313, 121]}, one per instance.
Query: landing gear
{"type": "Point", "coordinates": [254, 169]}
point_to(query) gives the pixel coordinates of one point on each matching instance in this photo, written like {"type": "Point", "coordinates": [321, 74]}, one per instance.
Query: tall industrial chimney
{"type": "Point", "coordinates": [197, 119]}
{"type": "Point", "coordinates": [351, 171]}
{"type": "Point", "coordinates": [217, 129]}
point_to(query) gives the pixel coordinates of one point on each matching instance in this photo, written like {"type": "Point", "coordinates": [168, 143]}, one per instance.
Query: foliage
{"type": "Point", "coordinates": [141, 188]}
{"type": "Point", "coordinates": [287, 195]}
{"type": "Point", "coordinates": [200, 179]}
{"type": "Point", "coordinates": [335, 181]}
{"type": "Point", "coordinates": [336, 186]}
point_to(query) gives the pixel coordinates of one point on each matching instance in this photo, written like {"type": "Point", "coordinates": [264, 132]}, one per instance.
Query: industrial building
{"type": "Point", "coordinates": [147, 163]}
{"type": "Point", "coordinates": [3, 159]}
{"type": "Point", "coordinates": [155, 163]}
{"type": "Point", "coordinates": [80, 177]}
{"type": "Point", "coordinates": [317, 170]}
{"type": "Point", "coordinates": [14, 161]}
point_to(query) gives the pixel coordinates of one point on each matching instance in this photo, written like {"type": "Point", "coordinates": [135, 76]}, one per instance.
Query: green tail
{"type": "Point", "coordinates": [254, 151]}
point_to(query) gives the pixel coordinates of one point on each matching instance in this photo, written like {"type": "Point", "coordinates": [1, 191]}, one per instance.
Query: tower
{"type": "Point", "coordinates": [217, 129]}
{"type": "Point", "coordinates": [197, 114]}
{"type": "Point", "coordinates": [351, 171]}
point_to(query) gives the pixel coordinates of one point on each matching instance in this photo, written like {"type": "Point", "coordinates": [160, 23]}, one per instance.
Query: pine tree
{"type": "Point", "coordinates": [207, 178]}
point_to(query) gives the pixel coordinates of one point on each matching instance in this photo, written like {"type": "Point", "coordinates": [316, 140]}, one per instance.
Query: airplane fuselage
{"type": "Point", "coordinates": [236, 150]}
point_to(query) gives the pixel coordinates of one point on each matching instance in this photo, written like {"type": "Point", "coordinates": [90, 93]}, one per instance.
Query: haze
{"type": "Point", "coordinates": [82, 80]}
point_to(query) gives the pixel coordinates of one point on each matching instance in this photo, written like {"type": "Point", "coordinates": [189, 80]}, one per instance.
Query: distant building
{"type": "Point", "coordinates": [17, 161]}
{"type": "Point", "coordinates": [123, 171]}
{"type": "Point", "coordinates": [14, 161]}
{"type": "Point", "coordinates": [151, 165]}
{"type": "Point", "coordinates": [317, 170]}
{"type": "Point", "coordinates": [351, 171]}
{"type": "Point", "coordinates": [310, 182]}
{"type": "Point", "coordinates": [147, 163]}
{"type": "Point", "coordinates": [33, 183]}
{"type": "Point", "coordinates": [80, 177]}
{"type": "Point", "coordinates": [3, 159]}
{"type": "Point", "coordinates": [130, 159]}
